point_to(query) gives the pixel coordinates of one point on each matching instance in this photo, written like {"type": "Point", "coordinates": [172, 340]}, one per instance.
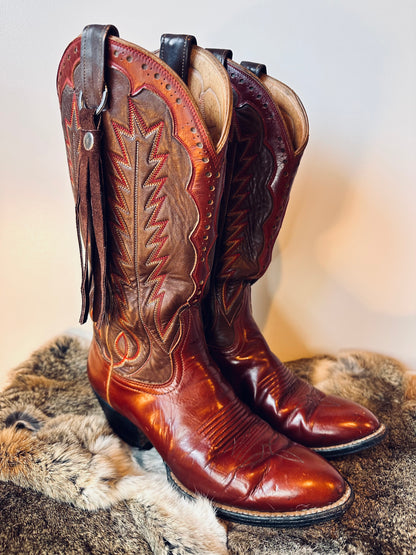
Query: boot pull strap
{"type": "Point", "coordinates": [222, 55]}
{"type": "Point", "coordinates": [93, 86]}
{"type": "Point", "coordinates": [257, 69]}
{"type": "Point", "coordinates": [175, 50]}
{"type": "Point", "coordinates": [90, 206]}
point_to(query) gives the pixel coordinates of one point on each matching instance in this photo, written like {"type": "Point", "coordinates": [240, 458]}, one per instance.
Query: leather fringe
{"type": "Point", "coordinates": [90, 218]}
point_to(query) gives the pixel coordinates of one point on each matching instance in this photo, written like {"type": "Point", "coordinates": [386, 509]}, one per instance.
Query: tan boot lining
{"type": "Point", "coordinates": [210, 88]}
{"type": "Point", "coordinates": [209, 84]}
{"type": "Point", "coordinates": [292, 110]}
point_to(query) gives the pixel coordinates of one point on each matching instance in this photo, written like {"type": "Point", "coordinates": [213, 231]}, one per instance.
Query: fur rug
{"type": "Point", "coordinates": [68, 485]}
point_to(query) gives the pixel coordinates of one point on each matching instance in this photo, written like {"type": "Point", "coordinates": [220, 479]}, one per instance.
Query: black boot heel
{"type": "Point", "coordinates": [125, 429]}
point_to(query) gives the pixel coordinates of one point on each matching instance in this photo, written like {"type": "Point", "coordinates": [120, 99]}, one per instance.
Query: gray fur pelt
{"type": "Point", "coordinates": [68, 485]}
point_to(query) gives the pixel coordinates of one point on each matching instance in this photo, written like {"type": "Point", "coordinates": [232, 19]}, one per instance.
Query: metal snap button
{"type": "Point", "coordinates": [88, 140]}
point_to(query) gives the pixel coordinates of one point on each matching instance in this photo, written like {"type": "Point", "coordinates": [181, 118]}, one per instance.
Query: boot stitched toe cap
{"type": "Point", "coordinates": [291, 480]}
{"type": "Point", "coordinates": [295, 480]}
{"type": "Point", "coordinates": [338, 422]}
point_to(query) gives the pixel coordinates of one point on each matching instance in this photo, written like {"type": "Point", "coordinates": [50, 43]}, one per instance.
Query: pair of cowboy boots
{"type": "Point", "coordinates": [181, 168]}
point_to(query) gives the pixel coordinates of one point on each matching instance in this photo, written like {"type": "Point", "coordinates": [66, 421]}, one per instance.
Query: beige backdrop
{"type": "Point", "coordinates": [344, 269]}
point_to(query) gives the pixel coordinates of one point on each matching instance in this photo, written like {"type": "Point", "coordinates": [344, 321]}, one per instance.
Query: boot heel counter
{"type": "Point", "coordinates": [99, 371]}
{"type": "Point", "coordinates": [125, 429]}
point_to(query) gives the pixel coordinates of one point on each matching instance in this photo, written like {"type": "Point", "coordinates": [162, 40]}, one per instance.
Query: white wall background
{"type": "Point", "coordinates": [344, 270]}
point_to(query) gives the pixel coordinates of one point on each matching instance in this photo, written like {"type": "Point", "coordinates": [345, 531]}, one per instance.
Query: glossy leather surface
{"type": "Point", "coordinates": [149, 360]}
{"type": "Point", "coordinates": [262, 164]}
{"type": "Point", "coordinates": [210, 440]}
{"type": "Point", "coordinates": [289, 404]}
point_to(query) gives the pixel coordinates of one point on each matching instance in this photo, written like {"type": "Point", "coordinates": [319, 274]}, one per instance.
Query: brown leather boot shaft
{"type": "Point", "coordinates": [163, 177]}
{"type": "Point", "coordinates": [263, 159]}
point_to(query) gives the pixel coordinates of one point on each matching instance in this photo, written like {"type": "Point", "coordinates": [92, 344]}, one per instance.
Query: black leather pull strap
{"type": "Point", "coordinates": [175, 50]}
{"type": "Point", "coordinates": [90, 205]}
{"type": "Point", "coordinates": [222, 55]}
{"type": "Point", "coordinates": [257, 69]}
{"type": "Point", "coordinates": [92, 62]}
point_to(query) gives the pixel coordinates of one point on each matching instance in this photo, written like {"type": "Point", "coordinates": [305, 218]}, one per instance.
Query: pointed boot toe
{"type": "Point", "coordinates": [343, 427]}
{"type": "Point", "coordinates": [292, 486]}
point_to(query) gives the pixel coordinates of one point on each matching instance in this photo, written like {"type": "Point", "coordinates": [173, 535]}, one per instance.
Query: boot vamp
{"type": "Point", "coordinates": [248, 465]}
{"type": "Point", "coordinates": [289, 404]}
{"type": "Point", "coordinates": [317, 420]}
{"type": "Point", "coordinates": [290, 478]}
{"type": "Point", "coordinates": [244, 463]}
{"type": "Point", "coordinates": [213, 444]}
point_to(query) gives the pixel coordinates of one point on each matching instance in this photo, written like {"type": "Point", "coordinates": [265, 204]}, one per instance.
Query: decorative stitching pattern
{"type": "Point", "coordinates": [121, 347]}
{"type": "Point", "coordinates": [72, 142]}
{"type": "Point", "coordinates": [237, 217]}
{"type": "Point", "coordinates": [154, 225]}
{"type": "Point", "coordinates": [231, 423]}
{"type": "Point", "coordinates": [258, 193]}
{"type": "Point", "coordinates": [271, 384]}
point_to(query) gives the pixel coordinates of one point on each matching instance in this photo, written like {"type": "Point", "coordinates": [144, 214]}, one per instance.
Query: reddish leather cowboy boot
{"type": "Point", "coordinates": [268, 137]}
{"type": "Point", "coordinates": [147, 175]}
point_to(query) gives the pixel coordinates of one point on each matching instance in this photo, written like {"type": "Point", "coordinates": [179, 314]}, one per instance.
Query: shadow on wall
{"type": "Point", "coordinates": [318, 194]}
{"type": "Point", "coordinates": [335, 264]}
